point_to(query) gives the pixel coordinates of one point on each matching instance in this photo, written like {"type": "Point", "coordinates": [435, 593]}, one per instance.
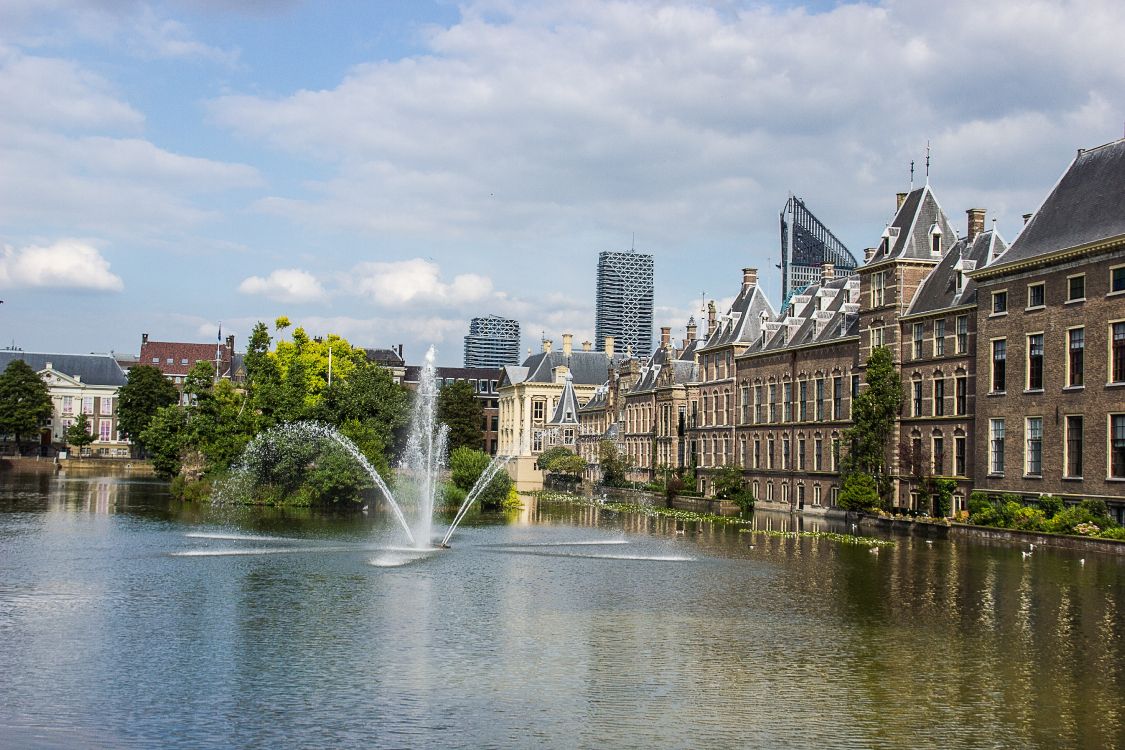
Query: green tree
{"type": "Point", "coordinates": [859, 492]}
{"type": "Point", "coordinates": [167, 437]}
{"type": "Point", "coordinates": [79, 434]}
{"type": "Point", "coordinates": [570, 465]}
{"type": "Point", "coordinates": [25, 402]}
{"type": "Point", "coordinates": [460, 409]}
{"type": "Point", "coordinates": [730, 485]}
{"type": "Point", "coordinates": [465, 467]}
{"type": "Point", "coordinates": [137, 401]}
{"type": "Point", "coordinates": [873, 418]}
{"type": "Point", "coordinates": [613, 464]}
{"type": "Point", "coordinates": [546, 457]}
{"type": "Point", "coordinates": [369, 397]}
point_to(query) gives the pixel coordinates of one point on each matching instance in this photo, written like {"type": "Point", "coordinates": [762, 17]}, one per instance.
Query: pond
{"type": "Point", "coordinates": [130, 620]}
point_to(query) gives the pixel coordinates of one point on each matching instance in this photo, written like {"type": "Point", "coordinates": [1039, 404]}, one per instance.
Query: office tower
{"type": "Point", "coordinates": [492, 342]}
{"type": "Point", "coordinates": [806, 245]}
{"type": "Point", "coordinates": [624, 304]}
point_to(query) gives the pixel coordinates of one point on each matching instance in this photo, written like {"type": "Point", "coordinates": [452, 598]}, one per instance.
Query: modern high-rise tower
{"type": "Point", "coordinates": [806, 245]}
{"type": "Point", "coordinates": [624, 305]}
{"type": "Point", "coordinates": [492, 342]}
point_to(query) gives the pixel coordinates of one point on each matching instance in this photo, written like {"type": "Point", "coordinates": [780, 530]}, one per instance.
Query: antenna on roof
{"type": "Point", "coordinates": [927, 163]}
{"type": "Point", "coordinates": [633, 243]}
{"type": "Point", "coordinates": [911, 174]}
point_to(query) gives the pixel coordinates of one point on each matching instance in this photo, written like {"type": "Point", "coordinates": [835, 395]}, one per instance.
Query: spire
{"type": "Point", "coordinates": [566, 413]}
{"type": "Point", "coordinates": [927, 163]}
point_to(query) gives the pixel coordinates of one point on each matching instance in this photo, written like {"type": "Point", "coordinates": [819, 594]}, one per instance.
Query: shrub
{"type": "Point", "coordinates": [1049, 504]}
{"type": "Point", "coordinates": [1117, 532]}
{"type": "Point", "coordinates": [859, 492]}
{"type": "Point", "coordinates": [1029, 519]}
{"type": "Point", "coordinates": [979, 502]}
{"type": "Point", "coordinates": [452, 495]}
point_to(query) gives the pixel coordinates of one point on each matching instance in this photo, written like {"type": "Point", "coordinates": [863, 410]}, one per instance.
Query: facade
{"type": "Point", "coordinates": [1050, 399]}
{"type": "Point", "coordinates": [485, 382]}
{"type": "Point", "coordinates": [176, 358]}
{"type": "Point", "coordinates": [493, 342]}
{"type": "Point", "coordinates": [78, 384]}
{"type": "Point", "coordinates": [624, 302]}
{"type": "Point", "coordinates": [529, 397]}
{"type": "Point", "coordinates": [806, 245]}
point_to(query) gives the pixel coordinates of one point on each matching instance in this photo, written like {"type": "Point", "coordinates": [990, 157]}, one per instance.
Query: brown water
{"type": "Point", "coordinates": [562, 626]}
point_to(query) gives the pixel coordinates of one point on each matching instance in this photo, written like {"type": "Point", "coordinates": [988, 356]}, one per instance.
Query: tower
{"type": "Point", "coordinates": [492, 342]}
{"type": "Point", "coordinates": [624, 301]}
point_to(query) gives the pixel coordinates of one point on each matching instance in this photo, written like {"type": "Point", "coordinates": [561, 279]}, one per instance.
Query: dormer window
{"type": "Point", "coordinates": [885, 245]}
{"type": "Point", "coordinates": [960, 280]}
{"type": "Point", "coordinates": [935, 239]}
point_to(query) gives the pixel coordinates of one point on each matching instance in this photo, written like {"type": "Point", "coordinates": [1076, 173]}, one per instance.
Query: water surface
{"type": "Point", "coordinates": [130, 620]}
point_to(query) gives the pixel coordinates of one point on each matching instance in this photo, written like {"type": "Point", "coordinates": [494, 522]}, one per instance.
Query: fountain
{"type": "Point", "coordinates": [418, 470]}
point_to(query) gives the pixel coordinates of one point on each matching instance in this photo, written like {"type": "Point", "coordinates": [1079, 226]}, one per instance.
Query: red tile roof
{"type": "Point", "coordinates": [177, 358]}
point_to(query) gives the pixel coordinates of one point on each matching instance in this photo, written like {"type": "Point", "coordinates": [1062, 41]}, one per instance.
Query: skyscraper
{"type": "Point", "coordinates": [806, 244]}
{"type": "Point", "coordinates": [624, 304]}
{"type": "Point", "coordinates": [492, 342]}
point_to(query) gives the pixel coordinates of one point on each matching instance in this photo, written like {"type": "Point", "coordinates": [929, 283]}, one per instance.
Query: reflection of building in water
{"type": "Point", "coordinates": [102, 497]}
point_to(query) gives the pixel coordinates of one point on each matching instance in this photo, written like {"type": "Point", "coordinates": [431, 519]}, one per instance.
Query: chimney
{"type": "Point", "coordinates": [868, 254]}
{"type": "Point", "coordinates": [587, 346]}
{"type": "Point", "coordinates": [691, 331]}
{"type": "Point", "coordinates": [568, 343]}
{"type": "Point", "coordinates": [609, 346]}
{"type": "Point", "coordinates": [665, 337]}
{"type": "Point", "coordinates": [547, 344]}
{"type": "Point", "coordinates": [400, 352]}
{"type": "Point", "coordinates": [1027, 218]}
{"type": "Point", "coordinates": [230, 344]}
{"type": "Point", "coordinates": [900, 198]}
{"type": "Point", "coordinates": [711, 314]}
{"type": "Point", "coordinates": [976, 222]}
{"type": "Point", "coordinates": [827, 272]}
{"type": "Point", "coordinates": [49, 367]}
{"type": "Point", "coordinates": [749, 278]}
{"type": "Point", "coordinates": [144, 336]}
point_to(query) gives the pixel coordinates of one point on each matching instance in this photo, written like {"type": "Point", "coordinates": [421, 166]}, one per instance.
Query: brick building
{"type": "Point", "coordinates": [485, 383]}
{"type": "Point", "coordinates": [176, 358]}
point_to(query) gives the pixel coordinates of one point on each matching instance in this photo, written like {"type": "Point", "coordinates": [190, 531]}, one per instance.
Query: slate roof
{"type": "Point", "coordinates": [385, 357]}
{"type": "Point", "coordinates": [587, 368]}
{"type": "Point", "coordinates": [909, 231]}
{"type": "Point", "coordinates": [1086, 205]}
{"type": "Point", "coordinates": [939, 290]}
{"type": "Point", "coordinates": [742, 322]}
{"type": "Point", "coordinates": [835, 316]}
{"type": "Point", "coordinates": [566, 412]}
{"type": "Point", "coordinates": [92, 369]}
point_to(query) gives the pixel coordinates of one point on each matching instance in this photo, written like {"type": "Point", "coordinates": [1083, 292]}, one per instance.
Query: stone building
{"type": "Point", "coordinates": [1050, 402]}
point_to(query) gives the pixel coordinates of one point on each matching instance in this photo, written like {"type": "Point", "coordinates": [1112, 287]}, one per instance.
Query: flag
{"type": "Point", "coordinates": [220, 338]}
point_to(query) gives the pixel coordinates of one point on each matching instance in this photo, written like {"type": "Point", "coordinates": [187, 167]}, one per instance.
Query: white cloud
{"type": "Point", "coordinates": [415, 281]}
{"type": "Point", "coordinates": [67, 264]}
{"type": "Point", "coordinates": [285, 285]}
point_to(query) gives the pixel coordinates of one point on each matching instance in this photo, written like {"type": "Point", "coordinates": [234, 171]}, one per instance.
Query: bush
{"type": "Point", "coordinates": [1117, 532]}
{"type": "Point", "coordinates": [452, 495]}
{"type": "Point", "coordinates": [859, 492]}
{"type": "Point", "coordinates": [1029, 519]}
{"type": "Point", "coordinates": [467, 464]}
{"type": "Point", "coordinates": [979, 503]}
{"type": "Point", "coordinates": [1050, 505]}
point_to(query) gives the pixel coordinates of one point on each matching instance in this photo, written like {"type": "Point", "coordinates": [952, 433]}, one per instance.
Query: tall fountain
{"type": "Point", "coordinates": [418, 472]}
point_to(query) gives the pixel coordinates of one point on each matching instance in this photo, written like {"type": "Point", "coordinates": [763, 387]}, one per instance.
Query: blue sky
{"type": "Point", "coordinates": [386, 171]}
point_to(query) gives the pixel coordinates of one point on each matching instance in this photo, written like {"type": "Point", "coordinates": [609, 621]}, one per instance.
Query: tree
{"type": "Point", "coordinates": [370, 398]}
{"type": "Point", "coordinates": [546, 457]}
{"type": "Point", "coordinates": [25, 402]}
{"type": "Point", "coordinates": [613, 464]}
{"type": "Point", "coordinates": [460, 409]}
{"type": "Point", "coordinates": [873, 418]}
{"type": "Point", "coordinates": [167, 438]}
{"type": "Point", "coordinates": [859, 492]}
{"type": "Point", "coordinates": [138, 400]}
{"type": "Point", "coordinates": [729, 485]}
{"type": "Point", "coordinates": [79, 434]}
{"type": "Point", "coordinates": [465, 467]}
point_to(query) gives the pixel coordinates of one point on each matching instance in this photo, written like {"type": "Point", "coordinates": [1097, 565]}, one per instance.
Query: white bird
{"type": "Point", "coordinates": [929, 541]}
{"type": "Point", "coordinates": [1025, 555]}
{"type": "Point", "coordinates": [1082, 561]}
{"type": "Point", "coordinates": [752, 547]}
{"type": "Point", "coordinates": [874, 550]}
{"type": "Point", "coordinates": [1031, 547]}
{"type": "Point", "coordinates": [680, 532]}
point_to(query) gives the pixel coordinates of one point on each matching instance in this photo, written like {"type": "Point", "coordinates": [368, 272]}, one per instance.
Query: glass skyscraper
{"type": "Point", "coordinates": [492, 342]}
{"type": "Point", "coordinates": [624, 304]}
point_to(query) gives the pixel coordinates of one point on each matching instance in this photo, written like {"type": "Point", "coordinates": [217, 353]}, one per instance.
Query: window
{"type": "Point", "coordinates": [999, 303]}
{"type": "Point", "coordinates": [935, 241]}
{"type": "Point", "coordinates": [1076, 288]}
{"type": "Point", "coordinates": [1076, 348]}
{"type": "Point", "coordinates": [1117, 279]}
{"type": "Point", "coordinates": [1035, 362]}
{"type": "Point", "coordinates": [1035, 294]}
{"type": "Point", "coordinates": [835, 454]}
{"type": "Point", "coordinates": [961, 400]}
{"type": "Point", "coordinates": [757, 453]}
{"type": "Point", "coordinates": [959, 456]}
{"type": "Point", "coordinates": [838, 397]}
{"type": "Point", "coordinates": [756, 487]}
{"type": "Point", "coordinates": [773, 402]}
{"type": "Point", "coordinates": [1074, 446]}
{"type": "Point", "coordinates": [68, 404]}
{"type": "Point", "coordinates": [104, 433]}
{"type": "Point", "coordinates": [169, 361]}
{"type": "Point", "coordinates": [787, 396]}
{"type": "Point", "coordinates": [855, 386]}
{"type": "Point", "coordinates": [939, 456]}
{"type": "Point", "coordinates": [769, 452]}
{"type": "Point", "coordinates": [939, 397]}
{"type": "Point", "coordinates": [745, 395]}
{"type": "Point", "coordinates": [919, 333]}
{"type": "Point", "coordinates": [537, 442]}
{"type": "Point", "coordinates": [106, 405]}
{"type": "Point", "coordinates": [785, 452]}
{"type": "Point", "coordinates": [1117, 354]}
{"type": "Point", "coordinates": [876, 336]}
{"type": "Point", "coordinates": [800, 454]}
{"type": "Point", "coordinates": [939, 338]}
{"type": "Point", "coordinates": [757, 404]}
{"type": "Point", "coordinates": [962, 334]}
{"type": "Point", "coordinates": [996, 446]}
{"type": "Point", "coordinates": [87, 404]}
{"type": "Point", "coordinates": [769, 491]}
{"type": "Point", "coordinates": [804, 386]}
{"type": "Point", "coordinates": [156, 360]}
{"type": "Point", "coordinates": [1117, 446]}
{"type": "Point", "coordinates": [1033, 461]}
{"type": "Point", "coordinates": [878, 289]}
{"type": "Point", "coordinates": [820, 399]}
{"type": "Point", "coordinates": [537, 410]}
{"type": "Point", "coordinates": [999, 365]}
{"type": "Point", "coordinates": [818, 455]}
{"type": "Point", "coordinates": [816, 494]}
{"type": "Point", "coordinates": [916, 401]}
{"type": "Point", "coordinates": [183, 361]}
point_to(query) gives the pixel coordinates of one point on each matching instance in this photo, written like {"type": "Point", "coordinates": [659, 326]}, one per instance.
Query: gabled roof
{"type": "Point", "coordinates": [820, 313]}
{"type": "Point", "coordinates": [566, 411]}
{"type": "Point", "coordinates": [910, 230]}
{"type": "Point", "coordinates": [384, 357]}
{"type": "Point", "coordinates": [742, 323]}
{"type": "Point", "coordinates": [1086, 205]}
{"type": "Point", "coordinates": [587, 368]}
{"type": "Point", "coordinates": [91, 369]}
{"type": "Point", "coordinates": [939, 290]}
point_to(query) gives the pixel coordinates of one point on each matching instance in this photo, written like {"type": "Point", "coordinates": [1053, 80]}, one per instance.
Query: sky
{"type": "Point", "coordinates": [387, 171]}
